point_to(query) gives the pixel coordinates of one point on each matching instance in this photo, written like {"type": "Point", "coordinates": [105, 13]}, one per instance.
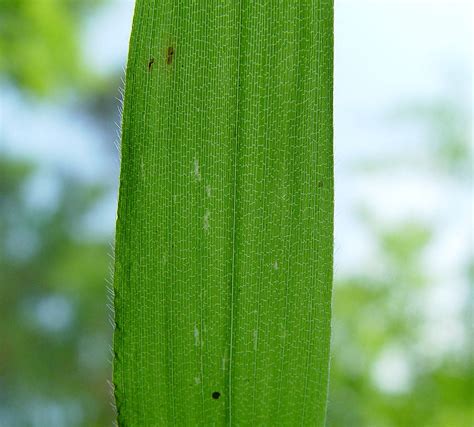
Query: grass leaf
{"type": "Point", "coordinates": [225, 222]}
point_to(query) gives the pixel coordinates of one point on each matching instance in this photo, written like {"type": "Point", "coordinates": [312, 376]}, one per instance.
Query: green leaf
{"type": "Point", "coordinates": [225, 222]}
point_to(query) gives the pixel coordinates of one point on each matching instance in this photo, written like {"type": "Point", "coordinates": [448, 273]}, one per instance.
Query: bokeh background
{"type": "Point", "coordinates": [402, 332]}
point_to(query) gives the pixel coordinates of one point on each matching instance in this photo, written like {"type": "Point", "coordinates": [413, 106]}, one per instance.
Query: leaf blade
{"type": "Point", "coordinates": [224, 233]}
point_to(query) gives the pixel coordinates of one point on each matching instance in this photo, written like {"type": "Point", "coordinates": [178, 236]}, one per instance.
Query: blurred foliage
{"type": "Point", "coordinates": [55, 334]}
{"type": "Point", "coordinates": [386, 371]}
{"type": "Point", "coordinates": [40, 44]}
{"type": "Point", "coordinates": [54, 330]}
{"type": "Point", "coordinates": [379, 326]}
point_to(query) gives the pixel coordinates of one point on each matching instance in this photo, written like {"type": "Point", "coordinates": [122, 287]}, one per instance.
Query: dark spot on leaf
{"type": "Point", "coordinates": [170, 55]}
{"type": "Point", "coordinates": [216, 395]}
{"type": "Point", "coordinates": [320, 184]}
{"type": "Point", "coordinates": [150, 64]}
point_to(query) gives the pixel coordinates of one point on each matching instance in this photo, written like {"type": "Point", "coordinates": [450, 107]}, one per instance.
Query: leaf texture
{"type": "Point", "coordinates": [224, 241]}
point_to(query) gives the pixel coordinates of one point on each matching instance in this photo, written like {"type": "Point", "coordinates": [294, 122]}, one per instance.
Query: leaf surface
{"type": "Point", "coordinates": [224, 240]}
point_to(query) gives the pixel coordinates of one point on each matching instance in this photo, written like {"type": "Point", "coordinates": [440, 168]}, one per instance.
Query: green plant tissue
{"type": "Point", "coordinates": [224, 243]}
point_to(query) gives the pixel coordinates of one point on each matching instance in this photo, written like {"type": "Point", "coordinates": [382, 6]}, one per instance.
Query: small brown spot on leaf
{"type": "Point", "coordinates": [169, 55]}
{"type": "Point", "coordinates": [150, 63]}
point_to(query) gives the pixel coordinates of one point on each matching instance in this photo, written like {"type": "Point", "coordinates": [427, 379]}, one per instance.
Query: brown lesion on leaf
{"type": "Point", "coordinates": [170, 52]}
{"type": "Point", "coordinates": [151, 61]}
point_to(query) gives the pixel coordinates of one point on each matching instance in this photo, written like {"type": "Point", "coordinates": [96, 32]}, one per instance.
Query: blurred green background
{"type": "Point", "coordinates": [401, 351]}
